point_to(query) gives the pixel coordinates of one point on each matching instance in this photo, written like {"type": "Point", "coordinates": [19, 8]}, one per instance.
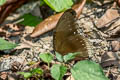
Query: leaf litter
{"type": "Point", "coordinates": [106, 50]}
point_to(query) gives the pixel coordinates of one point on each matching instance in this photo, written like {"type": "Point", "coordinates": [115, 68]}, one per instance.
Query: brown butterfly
{"type": "Point", "coordinates": [66, 38]}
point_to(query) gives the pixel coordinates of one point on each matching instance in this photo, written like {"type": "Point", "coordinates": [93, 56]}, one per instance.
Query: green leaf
{"type": "Point", "coordinates": [46, 57]}
{"type": "Point", "coordinates": [59, 57]}
{"type": "Point", "coordinates": [58, 71]}
{"type": "Point", "coordinates": [70, 56]}
{"type": "Point", "coordinates": [4, 45]}
{"type": "Point", "coordinates": [30, 20]}
{"type": "Point", "coordinates": [37, 71]}
{"type": "Point", "coordinates": [88, 70]}
{"type": "Point", "coordinates": [59, 5]}
{"type": "Point", "coordinates": [42, 2]}
{"type": "Point", "coordinates": [2, 2]}
{"type": "Point", "coordinates": [25, 74]}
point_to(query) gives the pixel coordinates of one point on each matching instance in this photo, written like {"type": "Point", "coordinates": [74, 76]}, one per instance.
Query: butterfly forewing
{"type": "Point", "coordinates": [66, 39]}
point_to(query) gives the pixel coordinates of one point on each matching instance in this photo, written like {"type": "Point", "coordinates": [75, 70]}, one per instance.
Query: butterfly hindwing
{"type": "Point", "coordinates": [66, 38]}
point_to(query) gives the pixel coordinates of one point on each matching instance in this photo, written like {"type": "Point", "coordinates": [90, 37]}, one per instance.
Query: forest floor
{"type": "Point", "coordinates": [26, 55]}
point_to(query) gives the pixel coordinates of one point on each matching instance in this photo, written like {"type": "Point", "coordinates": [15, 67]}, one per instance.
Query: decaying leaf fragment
{"type": "Point", "coordinates": [110, 59]}
{"type": "Point", "coordinates": [109, 15]}
{"type": "Point", "coordinates": [50, 23]}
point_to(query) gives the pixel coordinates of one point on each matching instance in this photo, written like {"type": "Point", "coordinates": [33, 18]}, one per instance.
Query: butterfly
{"type": "Point", "coordinates": [66, 38]}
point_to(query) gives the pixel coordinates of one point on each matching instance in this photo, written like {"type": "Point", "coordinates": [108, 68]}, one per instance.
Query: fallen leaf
{"type": "Point", "coordinates": [50, 23]}
{"type": "Point", "coordinates": [108, 17]}
{"type": "Point", "coordinates": [110, 59]}
{"type": "Point", "coordinates": [114, 28]}
{"type": "Point", "coordinates": [46, 25]}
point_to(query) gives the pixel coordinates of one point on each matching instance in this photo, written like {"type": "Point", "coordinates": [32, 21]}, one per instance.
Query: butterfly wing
{"type": "Point", "coordinates": [66, 38]}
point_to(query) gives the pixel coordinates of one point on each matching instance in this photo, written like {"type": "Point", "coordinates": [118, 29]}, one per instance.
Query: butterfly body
{"type": "Point", "coordinates": [66, 38]}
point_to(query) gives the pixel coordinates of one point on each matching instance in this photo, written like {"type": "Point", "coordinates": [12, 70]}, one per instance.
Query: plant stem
{"type": "Point", "coordinates": [49, 65]}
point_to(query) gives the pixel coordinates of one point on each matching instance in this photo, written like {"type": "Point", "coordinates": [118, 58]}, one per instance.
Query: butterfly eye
{"type": "Point", "coordinates": [73, 13]}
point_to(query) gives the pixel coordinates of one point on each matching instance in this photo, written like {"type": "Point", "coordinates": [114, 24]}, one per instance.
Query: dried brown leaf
{"type": "Point", "coordinates": [110, 59]}
{"type": "Point", "coordinates": [109, 15]}
{"type": "Point", "coordinates": [114, 29]}
{"type": "Point", "coordinates": [50, 23]}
